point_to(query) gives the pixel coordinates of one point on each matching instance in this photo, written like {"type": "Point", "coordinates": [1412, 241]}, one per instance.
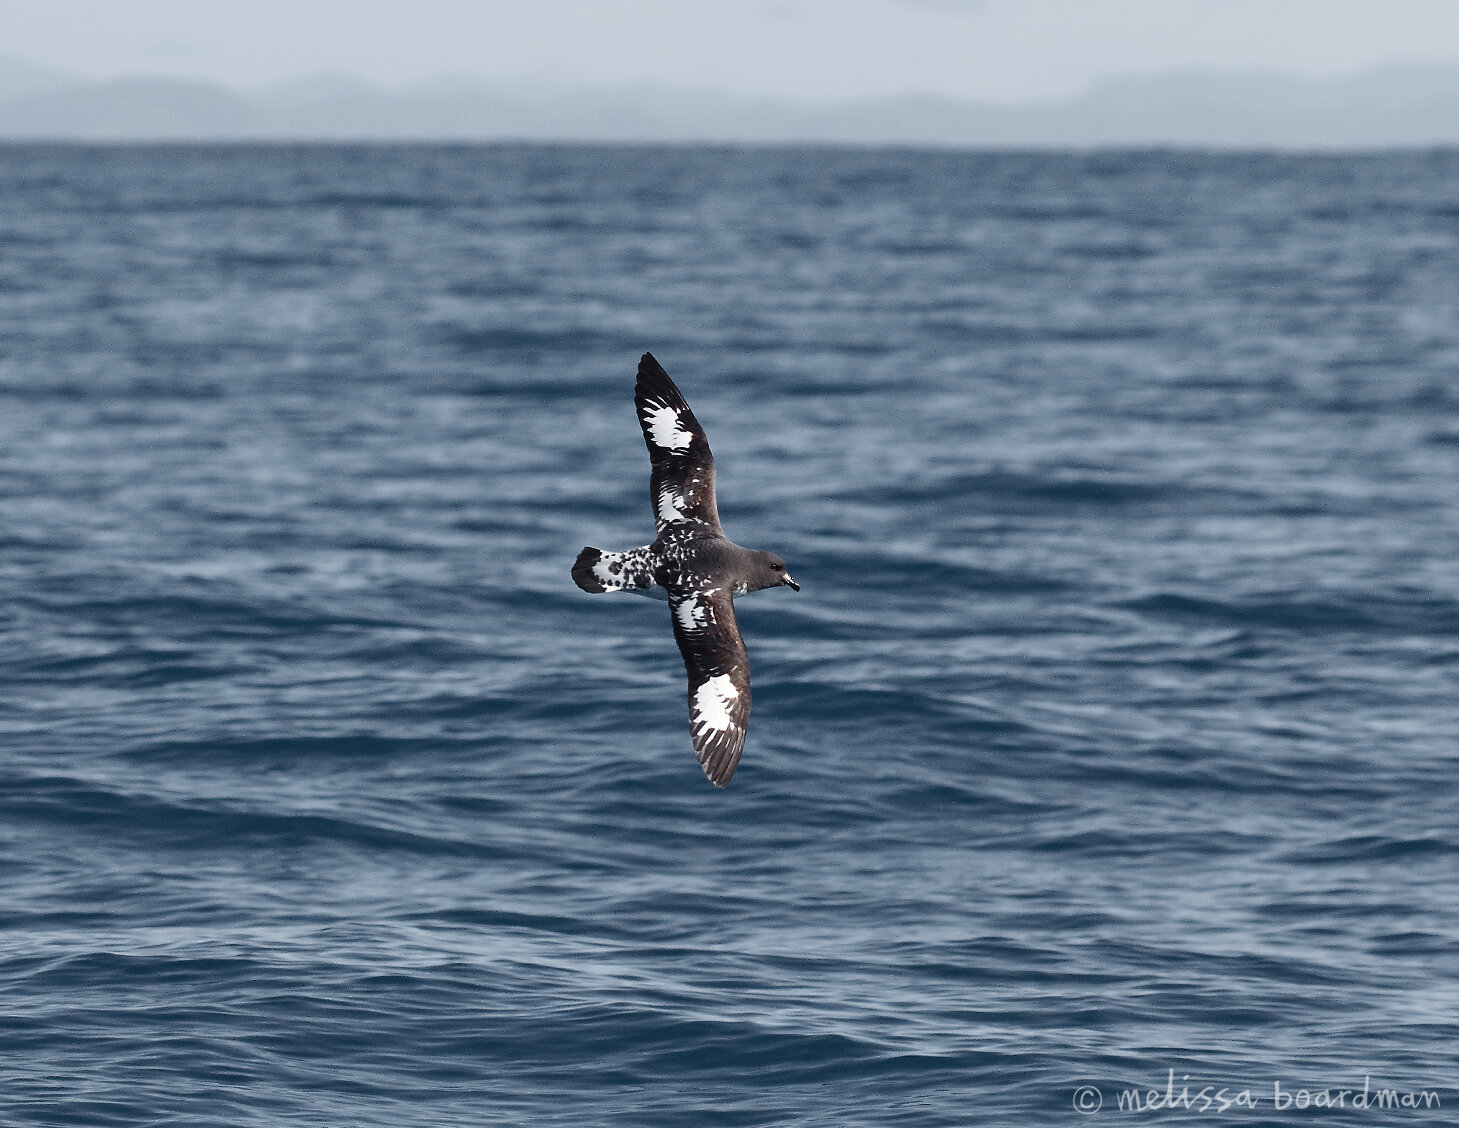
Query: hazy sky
{"type": "Point", "coordinates": [981, 49]}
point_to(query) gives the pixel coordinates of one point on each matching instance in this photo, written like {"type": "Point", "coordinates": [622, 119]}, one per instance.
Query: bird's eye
{"type": "Point", "coordinates": [777, 567]}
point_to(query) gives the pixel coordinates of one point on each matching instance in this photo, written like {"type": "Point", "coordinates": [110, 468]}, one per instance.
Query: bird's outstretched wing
{"type": "Point", "coordinates": [719, 678]}
{"type": "Point", "coordinates": [682, 483]}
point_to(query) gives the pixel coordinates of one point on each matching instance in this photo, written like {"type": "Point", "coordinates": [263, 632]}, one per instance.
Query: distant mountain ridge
{"type": "Point", "coordinates": [1399, 105]}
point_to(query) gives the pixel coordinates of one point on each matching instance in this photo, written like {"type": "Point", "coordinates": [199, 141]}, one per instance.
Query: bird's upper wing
{"type": "Point", "coordinates": [682, 483]}
{"type": "Point", "coordinates": [719, 678]}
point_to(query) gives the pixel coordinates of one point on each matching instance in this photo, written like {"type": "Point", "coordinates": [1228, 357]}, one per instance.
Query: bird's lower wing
{"type": "Point", "coordinates": [719, 679]}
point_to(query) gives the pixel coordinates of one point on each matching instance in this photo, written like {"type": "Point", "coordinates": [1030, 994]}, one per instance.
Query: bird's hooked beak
{"type": "Point", "coordinates": [788, 582]}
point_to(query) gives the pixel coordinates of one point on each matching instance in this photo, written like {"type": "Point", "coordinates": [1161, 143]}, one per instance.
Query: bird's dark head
{"type": "Point", "coordinates": [769, 571]}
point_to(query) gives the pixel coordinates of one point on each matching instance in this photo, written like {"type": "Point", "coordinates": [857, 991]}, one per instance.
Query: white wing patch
{"type": "Point", "coordinates": [665, 429]}
{"type": "Point", "coordinates": [695, 613]}
{"type": "Point", "coordinates": [668, 509]}
{"type": "Point", "coordinates": [712, 702]}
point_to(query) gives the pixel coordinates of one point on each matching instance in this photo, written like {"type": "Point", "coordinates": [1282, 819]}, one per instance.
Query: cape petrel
{"type": "Point", "coordinates": [694, 566]}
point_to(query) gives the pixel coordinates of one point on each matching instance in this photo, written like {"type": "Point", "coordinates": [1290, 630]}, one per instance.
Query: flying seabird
{"type": "Point", "coordinates": [695, 567]}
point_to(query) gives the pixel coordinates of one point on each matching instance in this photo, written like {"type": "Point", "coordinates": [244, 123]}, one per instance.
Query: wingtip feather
{"type": "Point", "coordinates": [720, 761]}
{"type": "Point", "coordinates": [654, 381]}
{"type": "Point", "coordinates": [720, 774]}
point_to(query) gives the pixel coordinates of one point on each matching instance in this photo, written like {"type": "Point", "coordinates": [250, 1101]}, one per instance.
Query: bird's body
{"type": "Point", "coordinates": [695, 567]}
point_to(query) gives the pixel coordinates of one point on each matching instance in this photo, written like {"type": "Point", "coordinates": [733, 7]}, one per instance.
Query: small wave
{"type": "Point", "coordinates": [1372, 848]}
{"type": "Point", "coordinates": [519, 340]}
{"type": "Point", "coordinates": [1363, 613]}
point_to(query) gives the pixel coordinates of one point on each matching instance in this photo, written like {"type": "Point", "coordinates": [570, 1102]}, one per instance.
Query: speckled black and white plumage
{"type": "Point", "coordinates": [695, 567]}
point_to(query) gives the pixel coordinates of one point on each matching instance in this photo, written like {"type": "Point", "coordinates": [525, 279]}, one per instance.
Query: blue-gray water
{"type": "Point", "coordinates": [1115, 730]}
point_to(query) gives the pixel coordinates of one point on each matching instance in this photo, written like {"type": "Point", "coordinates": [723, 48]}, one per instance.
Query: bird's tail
{"type": "Point", "coordinates": [582, 570]}
{"type": "Point", "coordinates": [596, 570]}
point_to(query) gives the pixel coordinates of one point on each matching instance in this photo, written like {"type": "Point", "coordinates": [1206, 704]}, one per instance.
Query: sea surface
{"type": "Point", "coordinates": [1111, 744]}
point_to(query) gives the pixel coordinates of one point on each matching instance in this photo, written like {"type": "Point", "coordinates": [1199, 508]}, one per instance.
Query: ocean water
{"type": "Point", "coordinates": [1111, 743]}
